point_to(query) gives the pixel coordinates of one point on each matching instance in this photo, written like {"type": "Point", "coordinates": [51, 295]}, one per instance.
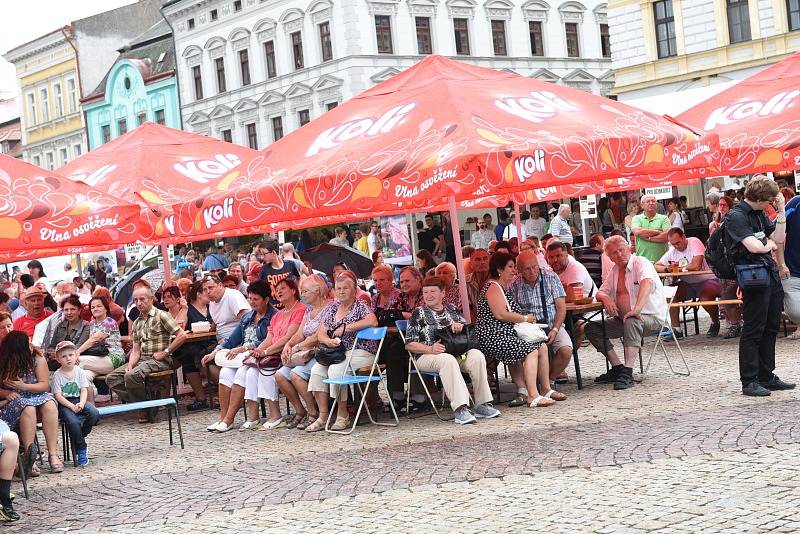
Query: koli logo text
{"type": "Point", "coordinates": [743, 110]}
{"type": "Point", "coordinates": [536, 107]}
{"type": "Point", "coordinates": [204, 170]}
{"type": "Point", "coordinates": [212, 215]}
{"type": "Point", "coordinates": [525, 166]}
{"type": "Point", "coordinates": [367, 127]}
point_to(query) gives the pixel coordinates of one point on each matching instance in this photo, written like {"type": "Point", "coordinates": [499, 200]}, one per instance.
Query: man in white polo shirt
{"type": "Point", "coordinates": [689, 254]}
{"type": "Point", "coordinates": [634, 300]}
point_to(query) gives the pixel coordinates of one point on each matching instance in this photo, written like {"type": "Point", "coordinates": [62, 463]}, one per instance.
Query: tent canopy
{"type": "Point", "coordinates": [444, 128]}
{"type": "Point", "coordinates": [43, 213]}
{"type": "Point", "coordinates": [757, 120]}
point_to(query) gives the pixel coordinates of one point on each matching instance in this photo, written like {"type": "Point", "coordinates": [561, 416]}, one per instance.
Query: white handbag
{"type": "Point", "coordinates": [530, 332]}
{"type": "Point", "coordinates": [221, 359]}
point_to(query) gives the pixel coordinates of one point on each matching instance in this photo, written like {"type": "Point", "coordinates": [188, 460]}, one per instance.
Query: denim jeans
{"type": "Point", "coordinates": [79, 424]}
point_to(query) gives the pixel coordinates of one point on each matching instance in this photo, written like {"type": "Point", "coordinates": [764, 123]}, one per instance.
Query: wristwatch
{"type": "Point", "coordinates": [166, 351]}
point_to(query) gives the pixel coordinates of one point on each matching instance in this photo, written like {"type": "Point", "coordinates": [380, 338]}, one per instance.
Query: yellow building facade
{"type": "Point", "coordinates": [53, 130]}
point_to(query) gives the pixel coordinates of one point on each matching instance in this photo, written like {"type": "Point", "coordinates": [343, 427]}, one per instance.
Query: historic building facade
{"type": "Point", "coordinates": [250, 71]}
{"type": "Point", "coordinates": [140, 86]}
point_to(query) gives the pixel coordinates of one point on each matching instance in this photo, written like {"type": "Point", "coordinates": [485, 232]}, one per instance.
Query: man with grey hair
{"type": "Point", "coordinates": [560, 225]}
{"type": "Point", "coordinates": [634, 300]}
{"type": "Point", "coordinates": [650, 229]}
{"type": "Point", "coordinates": [153, 346]}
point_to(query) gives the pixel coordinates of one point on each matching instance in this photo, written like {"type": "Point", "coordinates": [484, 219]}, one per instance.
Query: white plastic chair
{"type": "Point", "coordinates": [669, 292]}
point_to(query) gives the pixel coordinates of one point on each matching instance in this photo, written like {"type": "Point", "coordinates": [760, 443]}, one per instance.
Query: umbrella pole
{"type": "Point", "coordinates": [517, 222]}
{"type": "Point", "coordinates": [459, 259]}
{"type": "Point", "coordinates": [165, 258]}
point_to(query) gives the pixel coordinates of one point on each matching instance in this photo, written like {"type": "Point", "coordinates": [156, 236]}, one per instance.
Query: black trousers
{"type": "Point", "coordinates": [761, 315]}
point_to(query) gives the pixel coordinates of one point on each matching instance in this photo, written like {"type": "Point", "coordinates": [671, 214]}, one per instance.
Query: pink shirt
{"type": "Point", "coordinates": [283, 319]}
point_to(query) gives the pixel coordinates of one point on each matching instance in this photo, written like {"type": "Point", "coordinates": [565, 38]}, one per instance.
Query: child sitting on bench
{"type": "Point", "coordinates": [70, 386]}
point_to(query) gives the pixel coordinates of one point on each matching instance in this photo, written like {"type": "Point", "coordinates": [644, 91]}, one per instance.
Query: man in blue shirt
{"type": "Point", "coordinates": [790, 268]}
{"type": "Point", "coordinates": [214, 260]}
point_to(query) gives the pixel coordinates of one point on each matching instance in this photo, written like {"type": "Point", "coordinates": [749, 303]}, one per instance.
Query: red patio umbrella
{"type": "Point", "coordinates": [444, 128]}
{"type": "Point", "coordinates": [155, 167]}
{"type": "Point", "coordinates": [757, 120]}
{"type": "Point", "coordinates": [43, 213]}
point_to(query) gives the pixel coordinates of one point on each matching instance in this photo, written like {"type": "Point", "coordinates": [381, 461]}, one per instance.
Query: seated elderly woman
{"type": "Point", "coordinates": [423, 340]}
{"type": "Point", "coordinates": [447, 272]}
{"type": "Point", "coordinates": [298, 354]}
{"type": "Point", "coordinates": [498, 312]}
{"type": "Point", "coordinates": [102, 352]}
{"type": "Point", "coordinates": [347, 314]}
{"type": "Point", "coordinates": [248, 334]}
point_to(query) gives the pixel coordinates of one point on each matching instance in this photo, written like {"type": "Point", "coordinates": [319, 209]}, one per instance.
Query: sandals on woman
{"type": "Point", "coordinates": [307, 421]}
{"type": "Point", "coordinates": [555, 395]}
{"type": "Point", "coordinates": [55, 467]}
{"type": "Point", "coordinates": [541, 402]}
{"type": "Point", "coordinates": [316, 426]}
{"type": "Point", "coordinates": [296, 420]}
{"type": "Point", "coordinates": [519, 400]}
{"type": "Point", "coordinates": [249, 425]}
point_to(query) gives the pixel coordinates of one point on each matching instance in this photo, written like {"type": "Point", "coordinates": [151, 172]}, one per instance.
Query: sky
{"type": "Point", "coordinates": [30, 19]}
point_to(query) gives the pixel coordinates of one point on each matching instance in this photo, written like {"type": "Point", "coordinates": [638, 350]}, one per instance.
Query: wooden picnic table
{"type": "Point", "coordinates": [593, 308]}
{"type": "Point", "coordinates": [681, 274]}
{"type": "Point", "coordinates": [195, 336]}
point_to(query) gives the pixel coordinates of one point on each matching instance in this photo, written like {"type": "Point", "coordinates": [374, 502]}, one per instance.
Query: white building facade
{"type": "Point", "coordinates": [251, 71]}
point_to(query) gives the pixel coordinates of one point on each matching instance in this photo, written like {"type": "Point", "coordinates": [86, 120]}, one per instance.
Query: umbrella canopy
{"type": "Point", "coordinates": [445, 128]}
{"type": "Point", "coordinates": [325, 256]}
{"type": "Point", "coordinates": [156, 166]}
{"type": "Point", "coordinates": [757, 120]}
{"type": "Point", "coordinates": [43, 213]}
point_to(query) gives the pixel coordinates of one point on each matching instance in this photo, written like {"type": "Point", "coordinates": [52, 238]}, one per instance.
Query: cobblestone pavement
{"type": "Point", "coordinates": [673, 454]}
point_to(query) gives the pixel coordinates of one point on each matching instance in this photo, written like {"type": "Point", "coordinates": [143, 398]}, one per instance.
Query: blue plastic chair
{"type": "Point", "coordinates": [352, 379]}
{"type": "Point", "coordinates": [414, 370]}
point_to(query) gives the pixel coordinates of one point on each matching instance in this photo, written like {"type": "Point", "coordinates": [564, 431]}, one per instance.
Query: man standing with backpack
{"type": "Point", "coordinates": [752, 238]}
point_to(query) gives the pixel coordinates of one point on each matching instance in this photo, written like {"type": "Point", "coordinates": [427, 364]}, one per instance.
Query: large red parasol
{"type": "Point", "coordinates": [757, 120]}
{"type": "Point", "coordinates": [444, 128]}
{"type": "Point", "coordinates": [156, 166]}
{"type": "Point", "coordinates": [43, 213]}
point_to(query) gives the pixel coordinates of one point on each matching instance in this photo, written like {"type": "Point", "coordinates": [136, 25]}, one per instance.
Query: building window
{"type": "Point", "coordinates": [499, 37]}
{"type": "Point", "coordinates": [537, 37]}
{"type": "Point", "coordinates": [32, 108]}
{"type": "Point", "coordinates": [72, 95]}
{"type": "Point", "coordinates": [325, 41]}
{"type": "Point", "coordinates": [269, 53]}
{"type": "Point", "coordinates": [605, 41]}
{"type": "Point", "coordinates": [277, 128]}
{"type": "Point", "coordinates": [252, 136]}
{"type": "Point", "coordinates": [160, 119]}
{"type": "Point", "coordinates": [303, 117]}
{"type": "Point", "coordinates": [64, 156]}
{"type": "Point", "coordinates": [297, 50]}
{"type": "Point", "coordinates": [50, 163]}
{"type": "Point", "coordinates": [237, 5]}
{"type": "Point", "coordinates": [573, 46]}
{"type": "Point", "coordinates": [77, 150]}
{"type": "Point", "coordinates": [58, 99]}
{"type": "Point", "coordinates": [190, 24]}
{"type": "Point", "coordinates": [122, 126]}
{"type": "Point", "coordinates": [665, 29]}
{"type": "Point", "coordinates": [330, 105]}
{"type": "Point", "coordinates": [738, 21]}
{"type": "Point", "coordinates": [793, 14]}
{"type": "Point", "coordinates": [45, 104]}
{"type": "Point", "coordinates": [214, 15]}
{"type": "Point", "coordinates": [244, 64]}
{"type": "Point", "coordinates": [141, 117]}
{"type": "Point", "coordinates": [383, 33]}
{"type": "Point", "coordinates": [461, 33]}
{"type": "Point", "coordinates": [226, 136]}
{"type": "Point", "coordinates": [219, 65]}
{"type": "Point", "coordinates": [37, 161]}
{"type": "Point", "coordinates": [105, 131]}
{"type": "Point", "coordinates": [424, 40]}
{"type": "Point", "coordinates": [197, 76]}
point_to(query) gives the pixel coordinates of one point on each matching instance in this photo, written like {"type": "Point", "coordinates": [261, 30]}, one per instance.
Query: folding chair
{"type": "Point", "coordinates": [375, 375]}
{"type": "Point", "coordinates": [670, 294]}
{"type": "Point", "coordinates": [412, 362]}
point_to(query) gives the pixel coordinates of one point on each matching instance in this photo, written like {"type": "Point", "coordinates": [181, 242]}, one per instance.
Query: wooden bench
{"type": "Point", "coordinates": [695, 305]}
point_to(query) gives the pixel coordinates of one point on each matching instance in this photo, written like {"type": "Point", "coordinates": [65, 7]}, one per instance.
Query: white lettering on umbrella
{"type": "Point", "coordinates": [525, 166]}
{"type": "Point", "coordinates": [438, 175]}
{"type": "Point", "coordinates": [94, 222]}
{"type": "Point", "coordinates": [205, 170]}
{"type": "Point", "coordinates": [212, 215]}
{"type": "Point", "coordinates": [743, 110]}
{"type": "Point", "coordinates": [96, 176]}
{"type": "Point", "coordinates": [368, 127]}
{"type": "Point", "coordinates": [536, 107]}
{"type": "Point", "coordinates": [677, 159]}
{"type": "Point", "coordinates": [169, 224]}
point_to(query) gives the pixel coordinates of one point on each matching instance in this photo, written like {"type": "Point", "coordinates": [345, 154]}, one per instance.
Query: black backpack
{"type": "Point", "coordinates": [719, 255]}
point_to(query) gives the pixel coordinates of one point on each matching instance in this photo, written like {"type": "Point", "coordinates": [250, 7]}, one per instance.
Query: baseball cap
{"type": "Point", "coordinates": [33, 291]}
{"type": "Point", "coordinates": [64, 345]}
{"type": "Point", "coordinates": [254, 270]}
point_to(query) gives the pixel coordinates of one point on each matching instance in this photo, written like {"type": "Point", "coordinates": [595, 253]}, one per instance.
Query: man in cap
{"type": "Point", "coordinates": [35, 311]}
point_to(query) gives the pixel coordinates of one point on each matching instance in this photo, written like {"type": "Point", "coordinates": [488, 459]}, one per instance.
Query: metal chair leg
{"type": "Point", "coordinates": [22, 476]}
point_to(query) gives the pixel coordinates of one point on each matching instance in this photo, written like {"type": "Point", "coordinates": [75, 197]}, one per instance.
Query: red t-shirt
{"type": "Point", "coordinates": [28, 324]}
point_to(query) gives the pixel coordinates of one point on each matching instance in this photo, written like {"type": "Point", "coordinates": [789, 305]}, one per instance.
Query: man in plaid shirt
{"type": "Point", "coordinates": [539, 292]}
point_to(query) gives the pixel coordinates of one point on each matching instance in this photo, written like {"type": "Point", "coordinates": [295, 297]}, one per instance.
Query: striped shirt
{"type": "Point", "coordinates": [529, 297]}
{"type": "Point", "coordinates": [153, 332]}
